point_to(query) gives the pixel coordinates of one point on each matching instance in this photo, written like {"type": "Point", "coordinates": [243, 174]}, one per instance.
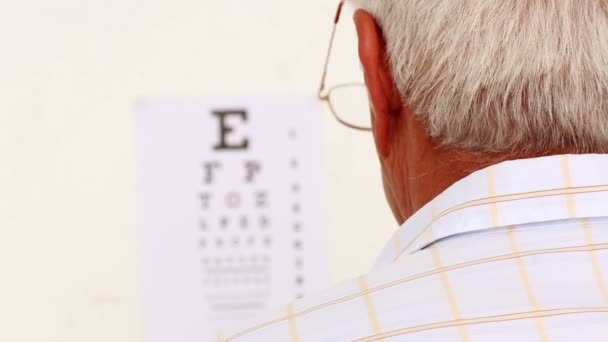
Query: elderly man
{"type": "Point", "coordinates": [490, 118]}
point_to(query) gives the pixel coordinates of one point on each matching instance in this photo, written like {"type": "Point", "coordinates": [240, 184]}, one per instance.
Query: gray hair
{"type": "Point", "coordinates": [502, 75]}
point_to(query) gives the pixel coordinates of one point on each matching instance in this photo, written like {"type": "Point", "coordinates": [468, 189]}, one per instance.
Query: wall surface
{"type": "Point", "coordinates": [70, 71]}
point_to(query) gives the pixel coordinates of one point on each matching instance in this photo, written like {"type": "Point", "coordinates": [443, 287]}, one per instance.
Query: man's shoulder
{"type": "Point", "coordinates": [346, 312]}
{"type": "Point", "coordinates": [302, 319]}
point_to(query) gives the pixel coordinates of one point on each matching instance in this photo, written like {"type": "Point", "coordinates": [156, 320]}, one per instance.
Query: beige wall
{"type": "Point", "coordinates": [70, 71]}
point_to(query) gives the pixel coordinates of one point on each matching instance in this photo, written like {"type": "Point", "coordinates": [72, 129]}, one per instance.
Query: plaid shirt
{"type": "Point", "coordinates": [514, 252]}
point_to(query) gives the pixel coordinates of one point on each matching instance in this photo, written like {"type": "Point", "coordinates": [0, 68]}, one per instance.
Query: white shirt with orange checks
{"type": "Point", "coordinates": [515, 252]}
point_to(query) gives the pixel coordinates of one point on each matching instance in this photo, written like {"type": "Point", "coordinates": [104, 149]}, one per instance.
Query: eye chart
{"type": "Point", "coordinates": [231, 210]}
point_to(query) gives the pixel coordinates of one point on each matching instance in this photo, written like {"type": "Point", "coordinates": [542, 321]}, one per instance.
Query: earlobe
{"type": "Point", "coordinates": [384, 99]}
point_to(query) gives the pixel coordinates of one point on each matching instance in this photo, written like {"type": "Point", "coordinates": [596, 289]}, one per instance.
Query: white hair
{"type": "Point", "coordinates": [502, 75]}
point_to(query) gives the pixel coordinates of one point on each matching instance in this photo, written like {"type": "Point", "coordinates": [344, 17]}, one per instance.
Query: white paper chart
{"type": "Point", "coordinates": [231, 210]}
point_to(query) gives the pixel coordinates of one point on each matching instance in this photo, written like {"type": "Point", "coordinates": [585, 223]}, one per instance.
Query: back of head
{"type": "Point", "coordinates": [502, 75]}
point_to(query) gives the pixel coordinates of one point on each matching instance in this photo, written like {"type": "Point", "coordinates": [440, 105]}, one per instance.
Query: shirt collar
{"type": "Point", "coordinates": [508, 194]}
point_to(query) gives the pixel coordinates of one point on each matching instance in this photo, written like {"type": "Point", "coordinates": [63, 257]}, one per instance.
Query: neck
{"type": "Point", "coordinates": [423, 170]}
{"type": "Point", "coordinates": [433, 172]}
{"type": "Point", "coordinates": [427, 176]}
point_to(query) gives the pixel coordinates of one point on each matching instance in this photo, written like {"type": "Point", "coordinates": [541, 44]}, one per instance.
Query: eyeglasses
{"type": "Point", "coordinates": [348, 102]}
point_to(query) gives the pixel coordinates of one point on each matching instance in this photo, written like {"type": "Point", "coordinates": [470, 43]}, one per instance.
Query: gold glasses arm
{"type": "Point", "coordinates": [322, 94]}
{"type": "Point", "coordinates": [334, 112]}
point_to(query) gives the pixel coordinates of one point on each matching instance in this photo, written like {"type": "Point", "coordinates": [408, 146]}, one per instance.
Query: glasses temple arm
{"type": "Point", "coordinates": [331, 43]}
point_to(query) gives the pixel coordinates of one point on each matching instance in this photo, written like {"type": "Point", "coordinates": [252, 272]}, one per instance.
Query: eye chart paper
{"type": "Point", "coordinates": [231, 210]}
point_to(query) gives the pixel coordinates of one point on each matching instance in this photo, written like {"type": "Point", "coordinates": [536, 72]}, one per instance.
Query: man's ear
{"type": "Point", "coordinates": [385, 100]}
